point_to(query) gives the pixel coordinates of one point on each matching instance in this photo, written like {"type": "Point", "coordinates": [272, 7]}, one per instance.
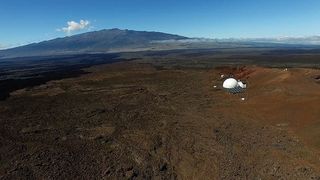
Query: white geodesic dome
{"type": "Point", "coordinates": [230, 83]}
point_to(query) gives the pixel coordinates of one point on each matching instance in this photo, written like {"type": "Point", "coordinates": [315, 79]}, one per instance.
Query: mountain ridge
{"type": "Point", "coordinates": [118, 40]}
{"type": "Point", "coordinates": [95, 41]}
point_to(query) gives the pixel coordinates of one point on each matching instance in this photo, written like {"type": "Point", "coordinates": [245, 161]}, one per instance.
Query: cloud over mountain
{"type": "Point", "coordinates": [75, 26]}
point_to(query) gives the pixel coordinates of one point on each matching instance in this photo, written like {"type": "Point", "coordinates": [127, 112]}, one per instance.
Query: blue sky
{"type": "Point", "coordinates": [26, 21]}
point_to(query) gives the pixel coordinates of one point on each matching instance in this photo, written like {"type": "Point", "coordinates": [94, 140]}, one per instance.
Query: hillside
{"type": "Point", "coordinates": [96, 41]}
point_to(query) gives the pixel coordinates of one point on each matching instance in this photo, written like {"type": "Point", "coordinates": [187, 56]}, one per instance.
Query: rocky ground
{"type": "Point", "coordinates": [135, 121]}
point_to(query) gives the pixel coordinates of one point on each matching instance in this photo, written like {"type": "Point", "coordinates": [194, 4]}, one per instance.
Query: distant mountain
{"type": "Point", "coordinates": [117, 40]}
{"type": "Point", "coordinates": [97, 41]}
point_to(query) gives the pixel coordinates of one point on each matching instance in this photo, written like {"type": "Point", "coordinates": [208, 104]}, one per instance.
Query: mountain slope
{"type": "Point", "coordinates": [97, 41]}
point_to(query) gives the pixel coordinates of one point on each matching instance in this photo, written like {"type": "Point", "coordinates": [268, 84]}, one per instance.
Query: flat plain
{"type": "Point", "coordinates": [157, 115]}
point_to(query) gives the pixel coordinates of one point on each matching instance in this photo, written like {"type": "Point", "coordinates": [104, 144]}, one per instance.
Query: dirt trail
{"type": "Point", "coordinates": [132, 121]}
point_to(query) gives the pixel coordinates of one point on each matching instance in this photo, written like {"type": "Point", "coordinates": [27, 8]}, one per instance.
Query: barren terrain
{"type": "Point", "coordinates": [132, 120]}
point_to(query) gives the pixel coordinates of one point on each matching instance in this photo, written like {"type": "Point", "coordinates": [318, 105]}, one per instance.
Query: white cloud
{"type": "Point", "coordinates": [75, 26]}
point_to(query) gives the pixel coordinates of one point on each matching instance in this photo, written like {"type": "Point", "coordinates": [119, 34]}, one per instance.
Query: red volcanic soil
{"type": "Point", "coordinates": [240, 72]}
{"type": "Point", "coordinates": [288, 99]}
{"type": "Point", "coordinates": [133, 121]}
